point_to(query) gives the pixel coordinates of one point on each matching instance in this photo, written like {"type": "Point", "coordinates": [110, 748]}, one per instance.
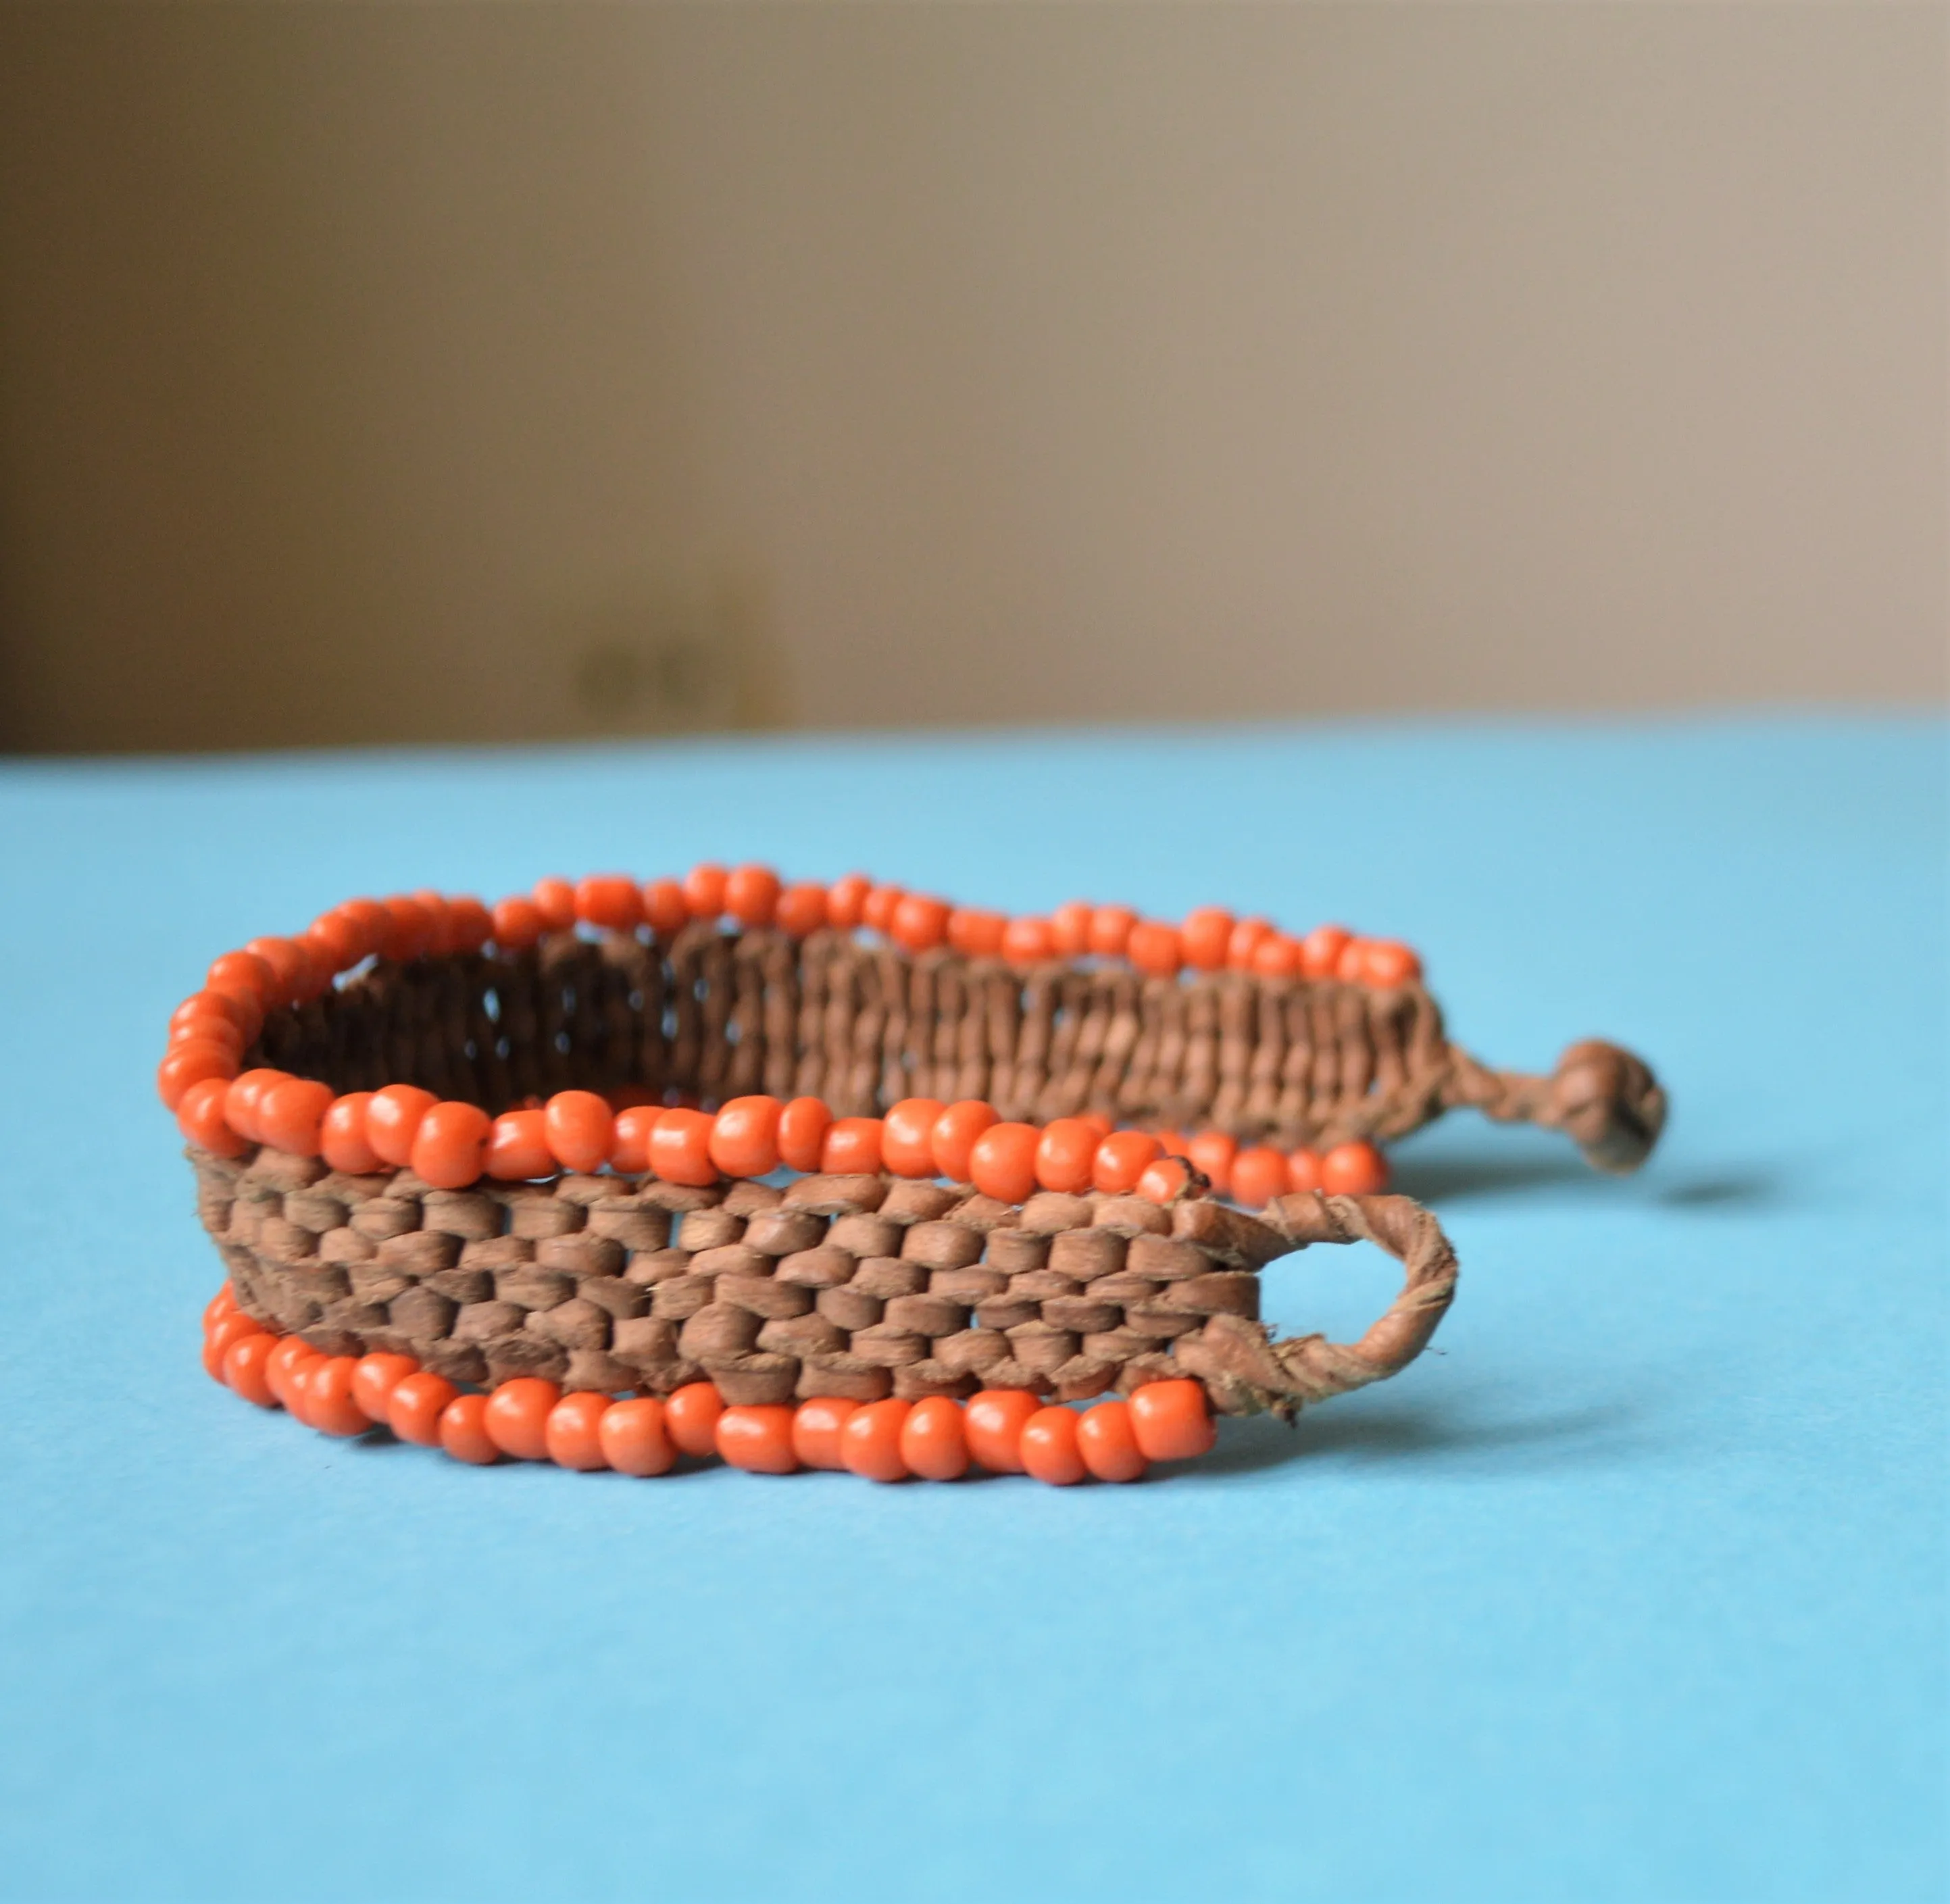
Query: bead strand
{"type": "Point", "coordinates": [1007, 1431]}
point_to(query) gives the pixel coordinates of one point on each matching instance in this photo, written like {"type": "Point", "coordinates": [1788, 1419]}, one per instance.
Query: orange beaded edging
{"type": "Point", "coordinates": [1006, 1431]}
{"type": "Point", "coordinates": [226, 1110]}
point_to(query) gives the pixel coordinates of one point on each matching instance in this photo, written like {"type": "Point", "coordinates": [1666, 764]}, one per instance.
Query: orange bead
{"type": "Point", "coordinates": [758, 1438]}
{"type": "Point", "coordinates": [581, 1130]}
{"type": "Point", "coordinates": [681, 1148]}
{"type": "Point", "coordinates": [224, 1303]}
{"type": "Point", "coordinates": [1154, 948]}
{"type": "Point", "coordinates": [1303, 1169]}
{"type": "Point", "coordinates": [975, 933]}
{"type": "Point", "coordinates": [690, 1418]}
{"type": "Point", "coordinates": [440, 921]}
{"type": "Point", "coordinates": [1259, 1175]}
{"type": "Point", "coordinates": [573, 1432]}
{"type": "Point", "coordinates": [1002, 1162]}
{"type": "Point", "coordinates": [1206, 936]}
{"type": "Point", "coordinates": [630, 1152]}
{"type": "Point", "coordinates": [1100, 1126]}
{"type": "Point", "coordinates": [469, 924]}
{"type": "Point", "coordinates": [1245, 937]}
{"type": "Point", "coordinates": [846, 901]}
{"type": "Point", "coordinates": [634, 1439]}
{"type": "Point", "coordinates": [415, 1405]}
{"type": "Point", "coordinates": [704, 890]}
{"type": "Point", "coordinates": [933, 1443]}
{"type": "Point", "coordinates": [283, 1361]}
{"type": "Point", "coordinates": [907, 1137]}
{"type": "Point", "coordinates": [1065, 1154]}
{"type": "Point", "coordinates": [244, 1363]}
{"type": "Point", "coordinates": [993, 1423]}
{"type": "Point", "coordinates": [751, 895]}
{"type": "Point", "coordinates": [393, 1121]}
{"type": "Point", "coordinates": [451, 1146]}
{"type": "Point", "coordinates": [870, 1443]}
{"type": "Point", "coordinates": [1351, 968]}
{"type": "Point", "coordinates": [955, 1131]}
{"type": "Point", "coordinates": [1212, 1152]}
{"type": "Point", "coordinates": [801, 909]}
{"type": "Point", "coordinates": [195, 1060]}
{"type": "Point", "coordinates": [214, 1015]}
{"type": "Point", "coordinates": [241, 1100]}
{"type": "Point", "coordinates": [666, 910]}
{"type": "Point", "coordinates": [341, 1136]}
{"type": "Point", "coordinates": [295, 975]}
{"type": "Point", "coordinates": [554, 900]}
{"type": "Point", "coordinates": [1277, 956]}
{"type": "Point", "coordinates": [200, 1117]}
{"type": "Point", "coordinates": [745, 1139]}
{"type": "Point", "coordinates": [1049, 1449]}
{"type": "Point", "coordinates": [1389, 963]}
{"type": "Point", "coordinates": [1171, 1421]}
{"type": "Point", "coordinates": [335, 943]}
{"type": "Point", "coordinates": [291, 1116]}
{"type": "Point", "coordinates": [919, 923]}
{"type": "Point", "coordinates": [877, 909]}
{"type": "Point", "coordinates": [221, 1334]}
{"type": "Point", "coordinates": [516, 1418]}
{"type": "Point", "coordinates": [1111, 930]}
{"type": "Point", "coordinates": [517, 924]}
{"type": "Point", "coordinates": [374, 1380]}
{"type": "Point", "coordinates": [1121, 1159]}
{"type": "Point", "coordinates": [1028, 941]}
{"type": "Point", "coordinates": [1320, 951]}
{"type": "Point", "coordinates": [852, 1146]}
{"type": "Point", "coordinates": [207, 1028]}
{"type": "Point", "coordinates": [330, 1405]}
{"type": "Point", "coordinates": [1166, 1180]}
{"type": "Point", "coordinates": [610, 901]}
{"type": "Point", "coordinates": [295, 1391]}
{"type": "Point", "coordinates": [244, 973]}
{"type": "Point", "coordinates": [802, 1126]}
{"type": "Point", "coordinates": [1109, 1443]}
{"type": "Point", "coordinates": [518, 1147]}
{"type": "Point", "coordinates": [816, 1430]}
{"type": "Point", "coordinates": [463, 1431]}
{"type": "Point", "coordinates": [1069, 928]}
{"type": "Point", "coordinates": [410, 930]}
{"type": "Point", "coordinates": [1355, 1169]}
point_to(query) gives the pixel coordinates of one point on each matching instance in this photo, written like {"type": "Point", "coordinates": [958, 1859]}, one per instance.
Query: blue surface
{"type": "Point", "coordinates": [1636, 1590]}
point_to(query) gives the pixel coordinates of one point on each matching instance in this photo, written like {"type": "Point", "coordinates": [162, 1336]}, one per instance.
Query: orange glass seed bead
{"type": "Point", "coordinates": [955, 1131]}
{"type": "Point", "coordinates": [329, 1404]}
{"type": "Point", "coordinates": [681, 1148]}
{"type": "Point", "coordinates": [201, 1117]}
{"type": "Point", "coordinates": [933, 1443]}
{"type": "Point", "coordinates": [224, 1303]}
{"type": "Point", "coordinates": [517, 924]}
{"type": "Point", "coordinates": [244, 1363]}
{"type": "Point", "coordinates": [1389, 963]}
{"type": "Point", "coordinates": [846, 901]}
{"type": "Point", "coordinates": [1350, 968]}
{"type": "Point", "coordinates": [1212, 1152]}
{"type": "Point", "coordinates": [1259, 1175]}
{"type": "Point", "coordinates": [450, 1145]}
{"type": "Point", "coordinates": [1111, 930]}
{"type": "Point", "coordinates": [1245, 937]}
{"type": "Point", "coordinates": [1355, 1169]}
{"type": "Point", "coordinates": [469, 924]}
{"type": "Point", "coordinates": [976, 933]}
{"type": "Point", "coordinates": [1277, 956]}
{"type": "Point", "coordinates": [907, 1137]}
{"type": "Point", "coordinates": [241, 1100]}
{"type": "Point", "coordinates": [1049, 1448]}
{"type": "Point", "coordinates": [1303, 1169]}
{"type": "Point", "coordinates": [554, 900]}
{"type": "Point", "coordinates": [242, 972]}
{"type": "Point", "coordinates": [745, 1137]}
{"type": "Point", "coordinates": [341, 1136]}
{"type": "Point", "coordinates": [222, 1013]}
{"type": "Point", "coordinates": [751, 895]}
{"type": "Point", "coordinates": [802, 1125]}
{"type": "Point", "coordinates": [410, 931]}
{"type": "Point", "coordinates": [1099, 1125]}
{"type": "Point", "coordinates": [463, 1431]}
{"type": "Point", "coordinates": [852, 1146]}
{"type": "Point", "coordinates": [193, 1061]}
{"type": "Point", "coordinates": [758, 1438]}
{"type": "Point", "coordinates": [221, 1334]}
{"type": "Point", "coordinates": [393, 1120]}
{"type": "Point", "coordinates": [572, 1433]}
{"type": "Point", "coordinates": [1320, 951]}
{"type": "Point", "coordinates": [870, 1443]}
{"type": "Point", "coordinates": [666, 910]}
{"type": "Point", "coordinates": [801, 909]}
{"type": "Point", "coordinates": [440, 917]}
{"type": "Point", "coordinates": [630, 1152]}
{"type": "Point", "coordinates": [374, 1380]}
{"type": "Point", "coordinates": [336, 942]}
{"type": "Point", "coordinates": [634, 1439]}
{"type": "Point", "coordinates": [1121, 1159]}
{"type": "Point", "coordinates": [1154, 948]}
{"type": "Point", "coordinates": [1165, 1180]}
{"type": "Point", "coordinates": [1171, 1421]}
{"type": "Point", "coordinates": [993, 1422]}
{"type": "Point", "coordinates": [690, 1418]}
{"type": "Point", "coordinates": [609, 901]}
{"type": "Point", "coordinates": [816, 1429]}
{"type": "Point", "coordinates": [1065, 1154]}
{"type": "Point", "coordinates": [920, 923]}
{"type": "Point", "coordinates": [1028, 941]}
{"type": "Point", "coordinates": [581, 1130]}
{"type": "Point", "coordinates": [1002, 1162]}
{"type": "Point", "coordinates": [704, 890]}
{"type": "Point", "coordinates": [518, 1147]}
{"type": "Point", "coordinates": [290, 1351]}
{"type": "Point", "coordinates": [291, 1116]}
{"type": "Point", "coordinates": [294, 974]}
{"type": "Point", "coordinates": [414, 1407]}
{"type": "Point", "coordinates": [1069, 928]}
{"type": "Point", "coordinates": [1206, 936]}
{"type": "Point", "coordinates": [1109, 1443]}
{"type": "Point", "coordinates": [517, 1416]}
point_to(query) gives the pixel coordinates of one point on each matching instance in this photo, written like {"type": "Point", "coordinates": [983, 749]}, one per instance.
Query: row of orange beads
{"type": "Point", "coordinates": [1005, 1430]}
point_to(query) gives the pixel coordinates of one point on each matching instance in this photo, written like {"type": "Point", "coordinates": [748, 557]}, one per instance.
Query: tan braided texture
{"type": "Point", "coordinates": [855, 1286]}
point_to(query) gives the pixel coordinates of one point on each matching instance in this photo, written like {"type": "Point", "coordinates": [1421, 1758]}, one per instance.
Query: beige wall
{"type": "Point", "coordinates": [375, 371]}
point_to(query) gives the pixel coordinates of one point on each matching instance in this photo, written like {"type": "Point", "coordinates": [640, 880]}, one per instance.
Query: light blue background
{"type": "Point", "coordinates": [1635, 1590]}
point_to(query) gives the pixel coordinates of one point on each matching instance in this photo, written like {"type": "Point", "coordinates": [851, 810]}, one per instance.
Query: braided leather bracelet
{"type": "Point", "coordinates": [442, 1148]}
